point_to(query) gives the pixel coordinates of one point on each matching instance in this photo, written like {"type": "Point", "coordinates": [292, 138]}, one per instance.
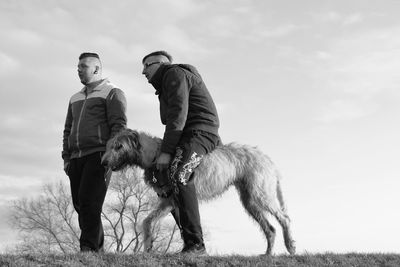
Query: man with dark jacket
{"type": "Point", "coordinates": [191, 131]}
{"type": "Point", "coordinates": [95, 114]}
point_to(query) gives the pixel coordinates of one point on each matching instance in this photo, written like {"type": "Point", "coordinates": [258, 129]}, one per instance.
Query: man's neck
{"type": "Point", "coordinates": [92, 85]}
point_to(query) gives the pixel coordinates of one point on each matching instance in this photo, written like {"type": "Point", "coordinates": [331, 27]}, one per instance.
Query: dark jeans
{"type": "Point", "coordinates": [88, 189]}
{"type": "Point", "coordinates": [190, 149]}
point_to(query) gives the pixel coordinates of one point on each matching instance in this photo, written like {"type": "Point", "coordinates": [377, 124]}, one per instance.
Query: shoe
{"type": "Point", "coordinates": [196, 249]}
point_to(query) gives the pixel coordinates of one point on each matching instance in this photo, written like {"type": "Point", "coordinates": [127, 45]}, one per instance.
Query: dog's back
{"type": "Point", "coordinates": [233, 164]}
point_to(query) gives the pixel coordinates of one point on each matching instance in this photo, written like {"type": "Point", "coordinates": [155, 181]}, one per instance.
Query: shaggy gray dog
{"type": "Point", "coordinates": [246, 168]}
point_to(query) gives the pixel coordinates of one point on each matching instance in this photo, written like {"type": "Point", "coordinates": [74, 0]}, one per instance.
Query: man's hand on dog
{"type": "Point", "coordinates": [163, 161]}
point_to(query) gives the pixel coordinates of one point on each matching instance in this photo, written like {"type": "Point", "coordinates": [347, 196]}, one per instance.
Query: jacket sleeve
{"type": "Point", "coordinates": [176, 89]}
{"type": "Point", "coordinates": [65, 154]}
{"type": "Point", "coordinates": [116, 111]}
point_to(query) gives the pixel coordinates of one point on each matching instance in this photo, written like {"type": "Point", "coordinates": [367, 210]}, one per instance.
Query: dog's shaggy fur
{"type": "Point", "coordinates": [246, 168]}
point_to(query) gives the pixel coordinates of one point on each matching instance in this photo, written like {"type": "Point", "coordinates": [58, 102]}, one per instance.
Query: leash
{"type": "Point", "coordinates": [162, 181]}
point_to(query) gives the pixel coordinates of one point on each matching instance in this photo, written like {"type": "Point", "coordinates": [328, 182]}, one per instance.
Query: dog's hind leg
{"type": "Point", "coordinates": [163, 208]}
{"type": "Point", "coordinates": [279, 213]}
{"type": "Point", "coordinates": [284, 221]}
{"type": "Point", "coordinates": [259, 214]}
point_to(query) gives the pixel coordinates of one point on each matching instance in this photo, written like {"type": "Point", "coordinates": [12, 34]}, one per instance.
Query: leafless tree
{"type": "Point", "coordinates": [126, 205]}
{"type": "Point", "coordinates": [48, 223]}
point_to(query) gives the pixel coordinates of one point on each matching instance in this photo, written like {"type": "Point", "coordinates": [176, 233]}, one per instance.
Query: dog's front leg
{"type": "Point", "coordinates": [163, 208]}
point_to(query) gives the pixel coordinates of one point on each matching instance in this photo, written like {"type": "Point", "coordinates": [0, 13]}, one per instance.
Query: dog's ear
{"type": "Point", "coordinates": [134, 138]}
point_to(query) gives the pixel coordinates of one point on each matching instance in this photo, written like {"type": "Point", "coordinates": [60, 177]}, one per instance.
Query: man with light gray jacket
{"type": "Point", "coordinates": [95, 114]}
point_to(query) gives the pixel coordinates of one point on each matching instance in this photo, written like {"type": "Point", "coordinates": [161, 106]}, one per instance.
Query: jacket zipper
{"type": "Point", "coordinates": [79, 122]}
{"type": "Point", "coordinates": [99, 133]}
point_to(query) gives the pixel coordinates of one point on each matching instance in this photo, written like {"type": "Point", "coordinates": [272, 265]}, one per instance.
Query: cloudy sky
{"type": "Point", "coordinates": [314, 84]}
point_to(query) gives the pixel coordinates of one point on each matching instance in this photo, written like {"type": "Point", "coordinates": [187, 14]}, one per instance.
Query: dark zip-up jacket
{"type": "Point", "coordinates": [185, 103]}
{"type": "Point", "coordinates": [93, 117]}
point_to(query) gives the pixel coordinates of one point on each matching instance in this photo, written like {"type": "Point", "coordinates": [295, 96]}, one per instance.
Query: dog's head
{"type": "Point", "coordinates": [122, 150]}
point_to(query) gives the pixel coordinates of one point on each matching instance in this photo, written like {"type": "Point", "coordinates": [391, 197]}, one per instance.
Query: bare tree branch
{"type": "Point", "coordinates": [48, 223]}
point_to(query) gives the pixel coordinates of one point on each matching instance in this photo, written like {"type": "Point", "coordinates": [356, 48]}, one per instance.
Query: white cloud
{"type": "Point", "coordinates": [24, 37]}
{"type": "Point", "coordinates": [357, 70]}
{"type": "Point", "coordinates": [244, 10]}
{"type": "Point", "coordinates": [371, 60]}
{"type": "Point", "coordinates": [353, 19]}
{"type": "Point", "coordinates": [345, 110]}
{"type": "Point", "coordinates": [14, 187]}
{"type": "Point", "coordinates": [183, 8]}
{"type": "Point", "coordinates": [7, 64]}
{"type": "Point", "coordinates": [323, 55]}
{"type": "Point", "coordinates": [176, 39]}
{"type": "Point", "coordinates": [330, 16]}
{"type": "Point", "coordinates": [339, 18]}
{"type": "Point", "coordinates": [280, 31]}
{"type": "Point", "coordinates": [222, 26]}
{"type": "Point", "coordinates": [15, 122]}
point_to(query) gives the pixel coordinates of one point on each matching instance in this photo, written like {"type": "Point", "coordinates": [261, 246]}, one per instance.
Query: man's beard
{"type": "Point", "coordinates": [83, 81]}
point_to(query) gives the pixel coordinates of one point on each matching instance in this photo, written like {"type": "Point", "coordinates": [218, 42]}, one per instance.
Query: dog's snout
{"type": "Point", "coordinates": [104, 161]}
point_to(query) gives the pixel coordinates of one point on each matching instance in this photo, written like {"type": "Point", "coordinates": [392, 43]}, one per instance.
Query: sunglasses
{"type": "Point", "coordinates": [146, 65]}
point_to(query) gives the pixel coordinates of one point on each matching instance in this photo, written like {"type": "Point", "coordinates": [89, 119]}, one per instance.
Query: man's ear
{"type": "Point", "coordinates": [96, 70]}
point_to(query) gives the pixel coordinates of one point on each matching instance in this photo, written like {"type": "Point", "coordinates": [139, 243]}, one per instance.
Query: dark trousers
{"type": "Point", "coordinates": [191, 148]}
{"type": "Point", "coordinates": [88, 189]}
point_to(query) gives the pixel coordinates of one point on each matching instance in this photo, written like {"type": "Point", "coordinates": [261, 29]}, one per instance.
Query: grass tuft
{"type": "Point", "coordinates": [145, 259]}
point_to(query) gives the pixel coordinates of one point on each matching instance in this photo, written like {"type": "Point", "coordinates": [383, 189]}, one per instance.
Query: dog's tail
{"type": "Point", "coordinates": [280, 194]}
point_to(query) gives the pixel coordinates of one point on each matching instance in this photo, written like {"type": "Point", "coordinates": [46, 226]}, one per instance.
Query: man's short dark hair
{"type": "Point", "coordinates": [159, 53]}
{"type": "Point", "coordinates": [88, 54]}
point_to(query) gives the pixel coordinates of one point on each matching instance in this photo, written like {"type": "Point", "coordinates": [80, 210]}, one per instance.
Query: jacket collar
{"type": "Point", "coordinates": [158, 76]}
{"type": "Point", "coordinates": [96, 88]}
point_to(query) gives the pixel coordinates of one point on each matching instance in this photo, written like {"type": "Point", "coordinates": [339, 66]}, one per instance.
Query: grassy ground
{"type": "Point", "coordinates": [89, 259]}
